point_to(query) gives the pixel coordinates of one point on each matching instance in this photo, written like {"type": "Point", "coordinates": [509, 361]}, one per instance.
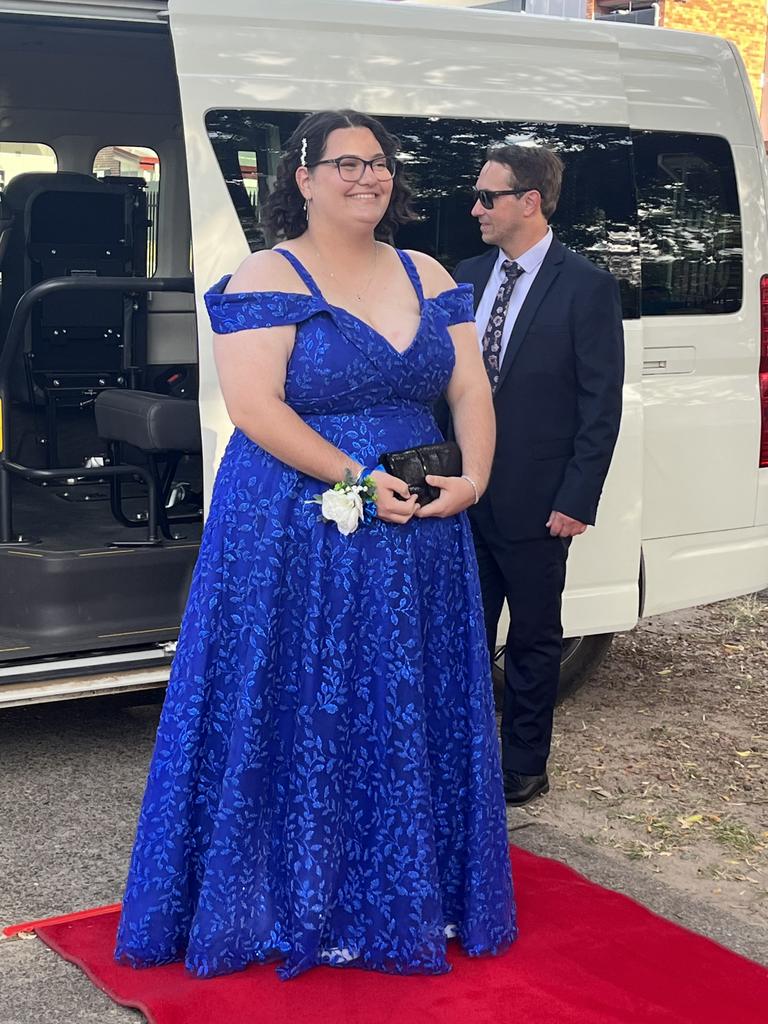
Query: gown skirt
{"type": "Point", "coordinates": [325, 786]}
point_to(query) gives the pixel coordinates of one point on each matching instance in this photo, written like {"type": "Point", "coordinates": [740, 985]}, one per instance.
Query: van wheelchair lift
{"type": "Point", "coordinates": [13, 342]}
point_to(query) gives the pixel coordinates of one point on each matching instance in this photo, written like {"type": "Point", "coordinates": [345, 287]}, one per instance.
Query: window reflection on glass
{"type": "Point", "coordinates": [135, 162]}
{"type": "Point", "coordinates": [247, 145]}
{"type": "Point", "coordinates": [690, 226]}
{"type": "Point", "coordinates": [597, 215]}
{"type": "Point", "coordinates": [248, 161]}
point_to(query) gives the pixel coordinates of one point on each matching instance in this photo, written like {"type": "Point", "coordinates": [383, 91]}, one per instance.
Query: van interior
{"type": "Point", "coordinates": [101, 450]}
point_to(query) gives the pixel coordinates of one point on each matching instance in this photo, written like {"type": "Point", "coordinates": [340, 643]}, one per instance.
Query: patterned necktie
{"type": "Point", "coordinates": [495, 329]}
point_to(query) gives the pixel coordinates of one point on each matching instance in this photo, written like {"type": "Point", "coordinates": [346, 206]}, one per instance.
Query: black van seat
{"type": "Point", "coordinates": [6, 223]}
{"type": "Point", "coordinates": [71, 225]}
{"type": "Point", "coordinates": [152, 423]}
{"type": "Point", "coordinates": [160, 426]}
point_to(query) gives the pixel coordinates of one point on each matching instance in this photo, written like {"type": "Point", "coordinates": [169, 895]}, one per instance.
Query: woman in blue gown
{"type": "Point", "coordinates": [325, 786]}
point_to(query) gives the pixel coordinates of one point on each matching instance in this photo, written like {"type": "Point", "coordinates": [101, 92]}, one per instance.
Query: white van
{"type": "Point", "coordinates": [665, 185]}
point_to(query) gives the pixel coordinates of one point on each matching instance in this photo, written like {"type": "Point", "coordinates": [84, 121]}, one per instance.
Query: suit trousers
{"type": "Point", "coordinates": [530, 575]}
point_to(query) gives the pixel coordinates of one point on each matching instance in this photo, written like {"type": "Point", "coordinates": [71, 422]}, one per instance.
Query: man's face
{"type": "Point", "coordinates": [499, 225]}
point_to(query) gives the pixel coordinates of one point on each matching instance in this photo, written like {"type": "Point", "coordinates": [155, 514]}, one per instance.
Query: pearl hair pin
{"type": "Point", "coordinates": [303, 163]}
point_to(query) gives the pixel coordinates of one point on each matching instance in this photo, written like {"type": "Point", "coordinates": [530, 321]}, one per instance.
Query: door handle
{"type": "Point", "coordinates": [658, 361]}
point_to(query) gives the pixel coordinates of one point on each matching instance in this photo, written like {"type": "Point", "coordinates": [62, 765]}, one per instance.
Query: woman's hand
{"type": "Point", "coordinates": [456, 494]}
{"type": "Point", "coordinates": [388, 507]}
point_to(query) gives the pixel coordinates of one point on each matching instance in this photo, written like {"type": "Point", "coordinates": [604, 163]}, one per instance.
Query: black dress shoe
{"type": "Point", "coordinates": [519, 789]}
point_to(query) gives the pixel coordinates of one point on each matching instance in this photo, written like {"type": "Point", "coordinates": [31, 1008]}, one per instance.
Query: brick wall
{"type": "Point", "coordinates": [745, 22]}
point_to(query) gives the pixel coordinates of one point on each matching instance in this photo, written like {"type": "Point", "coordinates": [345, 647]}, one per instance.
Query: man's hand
{"type": "Point", "coordinates": [456, 494]}
{"type": "Point", "coordinates": [561, 525]}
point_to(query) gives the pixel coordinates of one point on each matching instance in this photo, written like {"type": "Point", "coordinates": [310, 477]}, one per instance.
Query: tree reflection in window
{"type": "Point", "coordinates": [597, 214]}
{"type": "Point", "coordinates": [690, 227]}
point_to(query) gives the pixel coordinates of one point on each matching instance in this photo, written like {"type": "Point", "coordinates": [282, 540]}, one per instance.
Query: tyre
{"type": "Point", "coordinates": [581, 656]}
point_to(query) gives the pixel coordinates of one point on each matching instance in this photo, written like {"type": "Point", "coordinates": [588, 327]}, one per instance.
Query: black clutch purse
{"type": "Point", "coordinates": [413, 465]}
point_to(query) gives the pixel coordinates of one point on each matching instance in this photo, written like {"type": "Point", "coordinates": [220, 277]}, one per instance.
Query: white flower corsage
{"type": "Point", "coordinates": [348, 503]}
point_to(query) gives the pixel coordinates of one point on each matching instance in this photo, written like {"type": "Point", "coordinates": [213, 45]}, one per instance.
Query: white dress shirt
{"type": "Point", "coordinates": [530, 261]}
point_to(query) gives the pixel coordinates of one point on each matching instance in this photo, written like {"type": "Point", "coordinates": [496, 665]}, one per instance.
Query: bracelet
{"type": "Point", "coordinates": [474, 487]}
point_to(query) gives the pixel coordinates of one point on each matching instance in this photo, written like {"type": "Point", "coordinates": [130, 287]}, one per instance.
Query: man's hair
{"type": "Point", "coordinates": [534, 167]}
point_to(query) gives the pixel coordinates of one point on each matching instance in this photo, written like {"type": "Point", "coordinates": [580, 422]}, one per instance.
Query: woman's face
{"type": "Point", "coordinates": [347, 194]}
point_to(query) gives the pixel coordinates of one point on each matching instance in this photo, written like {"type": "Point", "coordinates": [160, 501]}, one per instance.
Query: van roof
{"type": "Point", "coordinates": [152, 11]}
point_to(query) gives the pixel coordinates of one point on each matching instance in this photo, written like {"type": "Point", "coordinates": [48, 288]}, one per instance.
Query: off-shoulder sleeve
{"type": "Point", "coordinates": [244, 311]}
{"type": "Point", "coordinates": [457, 304]}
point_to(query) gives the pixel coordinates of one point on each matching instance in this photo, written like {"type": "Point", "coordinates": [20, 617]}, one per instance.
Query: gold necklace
{"type": "Point", "coordinates": [358, 295]}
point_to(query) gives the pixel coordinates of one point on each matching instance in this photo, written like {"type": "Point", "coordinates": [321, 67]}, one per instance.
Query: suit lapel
{"type": "Point", "coordinates": [548, 272]}
{"type": "Point", "coordinates": [477, 273]}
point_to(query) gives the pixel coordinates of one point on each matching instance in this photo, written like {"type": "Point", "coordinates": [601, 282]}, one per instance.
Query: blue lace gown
{"type": "Point", "coordinates": [325, 786]}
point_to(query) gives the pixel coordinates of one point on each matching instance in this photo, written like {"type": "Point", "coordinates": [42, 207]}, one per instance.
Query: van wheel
{"type": "Point", "coordinates": [581, 656]}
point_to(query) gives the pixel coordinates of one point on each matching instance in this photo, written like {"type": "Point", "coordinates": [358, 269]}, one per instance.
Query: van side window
{"type": "Point", "coordinates": [135, 162]}
{"type": "Point", "coordinates": [19, 158]}
{"type": "Point", "coordinates": [247, 145]}
{"type": "Point", "coordinates": [597, 214]}
{"type": "Point", "coordinates": [23, 157]}
{"type": "Point", "coordinates": [690, 228]}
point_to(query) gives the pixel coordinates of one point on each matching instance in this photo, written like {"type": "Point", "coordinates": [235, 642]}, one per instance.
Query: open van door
{"type": "Point", "coordinates": [248, 70]}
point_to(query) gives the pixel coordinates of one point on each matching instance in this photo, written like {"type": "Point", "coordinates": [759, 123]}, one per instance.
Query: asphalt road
{"type": "Point", "coordinates": [72, 780]}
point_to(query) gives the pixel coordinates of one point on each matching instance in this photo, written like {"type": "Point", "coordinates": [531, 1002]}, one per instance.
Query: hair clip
{"type": "Point", "coordinates": [304, 152]}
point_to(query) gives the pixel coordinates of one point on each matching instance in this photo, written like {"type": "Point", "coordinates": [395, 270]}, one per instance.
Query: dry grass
{"type": "Point", "coordinates": [663, 756]}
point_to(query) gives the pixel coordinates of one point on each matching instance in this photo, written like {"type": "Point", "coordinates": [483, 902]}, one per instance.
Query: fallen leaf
{"type": "Point", "coordinates": [692, 819]}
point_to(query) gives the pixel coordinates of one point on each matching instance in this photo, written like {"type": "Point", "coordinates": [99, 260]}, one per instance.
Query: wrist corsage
{"type": "Point", "coordinates": [348, 503]}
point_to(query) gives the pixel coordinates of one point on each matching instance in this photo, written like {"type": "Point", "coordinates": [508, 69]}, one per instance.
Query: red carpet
{"type": "Point", "coordinates": [585, 955]}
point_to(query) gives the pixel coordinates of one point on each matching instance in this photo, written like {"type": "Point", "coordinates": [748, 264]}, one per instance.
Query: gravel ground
{"type": "Point", "coordinates": [662, 757]}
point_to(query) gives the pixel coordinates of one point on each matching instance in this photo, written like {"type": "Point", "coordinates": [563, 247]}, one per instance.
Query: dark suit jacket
{"type": "Point", "coordinates": [558, 401]}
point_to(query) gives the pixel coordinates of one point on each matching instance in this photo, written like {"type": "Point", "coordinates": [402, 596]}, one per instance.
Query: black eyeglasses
{"type": "Point", "coordinates": [352, 168]}
{"type": "Point", "coordinates": [487, 196]}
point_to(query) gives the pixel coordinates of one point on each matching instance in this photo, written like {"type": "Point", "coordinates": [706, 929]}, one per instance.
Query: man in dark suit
{"type": "Point", "coordinates": [549, 323]}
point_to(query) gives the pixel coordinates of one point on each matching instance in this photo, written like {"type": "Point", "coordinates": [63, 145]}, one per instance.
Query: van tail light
{"type": "Point", "coordinates": [763, 372]}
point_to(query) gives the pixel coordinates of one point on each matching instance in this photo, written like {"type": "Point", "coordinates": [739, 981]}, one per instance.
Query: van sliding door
{"type": "Point", "coordinates": [700, 307]}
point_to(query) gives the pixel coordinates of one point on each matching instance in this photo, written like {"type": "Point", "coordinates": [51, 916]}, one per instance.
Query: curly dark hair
{"type": "Point", "coordinates": [284, 215]}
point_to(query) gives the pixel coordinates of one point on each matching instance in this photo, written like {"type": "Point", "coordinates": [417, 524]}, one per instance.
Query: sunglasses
{"type": "Point", "coordinates": [486, 196]}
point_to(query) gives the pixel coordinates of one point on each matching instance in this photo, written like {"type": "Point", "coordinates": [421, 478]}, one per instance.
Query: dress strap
{"type": "Point", "coordinates": [413, 274]}
{"type": "Point", "coordinates": [302, 271]}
